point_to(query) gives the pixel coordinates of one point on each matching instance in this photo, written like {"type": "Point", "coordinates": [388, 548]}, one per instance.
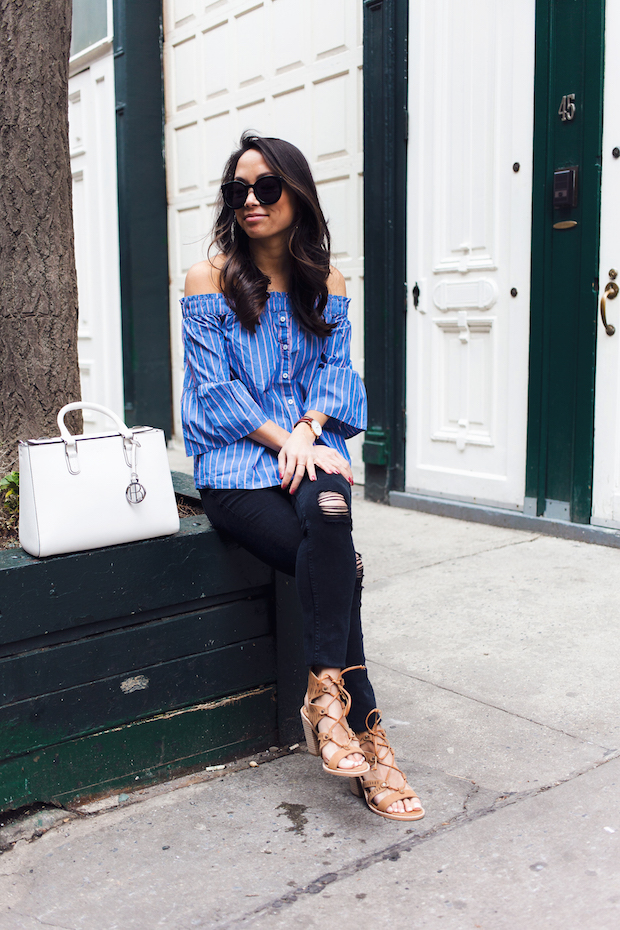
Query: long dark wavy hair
{"type": "Point", "coordinates": [242, 283]}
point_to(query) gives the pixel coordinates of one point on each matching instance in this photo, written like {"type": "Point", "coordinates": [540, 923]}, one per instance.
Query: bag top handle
{"type": "Point", "coordinates": [84, 405]}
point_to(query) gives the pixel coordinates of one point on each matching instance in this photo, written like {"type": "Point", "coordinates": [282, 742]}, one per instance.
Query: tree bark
{"type": "Point", "coordinates": [38, 286]}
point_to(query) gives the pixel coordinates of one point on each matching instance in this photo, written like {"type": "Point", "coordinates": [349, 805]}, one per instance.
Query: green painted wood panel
{"type": "Point", "coordinates": [385, 198]}
{"type": "Point", "coordinates": [43, 671]}
{"type": "Point", "coordinates": [142, 208]}
{"type": "Point", "coordinates": [569, 60]}
{"type": "Point", "coordinates": [98, 705]}
{"type": "Point", "coordinates": [143, 752]}
{"type": "Point", "coordinates": [113, 660]}
{"type": "Point", "coordinates": [38, 597]}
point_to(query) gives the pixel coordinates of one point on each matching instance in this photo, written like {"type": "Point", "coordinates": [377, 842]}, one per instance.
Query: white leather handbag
{"type": "Point", "coordinates": [93, 490]}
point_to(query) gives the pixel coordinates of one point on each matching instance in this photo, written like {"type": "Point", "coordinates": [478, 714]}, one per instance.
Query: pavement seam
{"type": "Point", "coordinates": [43, 923]}
{"type": "Point", "coordinates": [395, 850]}
{"type": "Point", "coordinates": [478, 700]}
{"type": "Point", "coordinates": [454, 558]}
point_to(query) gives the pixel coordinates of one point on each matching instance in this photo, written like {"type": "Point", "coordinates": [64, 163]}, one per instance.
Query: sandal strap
{"type": "Point", "coordinates": [390, 798]}
{"type": "Point", "coordinates": [340, 754]}
{"type": "Point", "coordinates": [317, 687]}
{"type": "Point", "coordinates": [379, 754]}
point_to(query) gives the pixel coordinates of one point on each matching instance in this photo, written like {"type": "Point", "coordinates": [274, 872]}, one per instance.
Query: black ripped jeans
{"type": "Point", "coordinates": [294, 534]}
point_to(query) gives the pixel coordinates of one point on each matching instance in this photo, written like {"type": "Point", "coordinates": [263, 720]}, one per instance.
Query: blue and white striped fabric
{"type": "Point", "coordinates": [235, 381]}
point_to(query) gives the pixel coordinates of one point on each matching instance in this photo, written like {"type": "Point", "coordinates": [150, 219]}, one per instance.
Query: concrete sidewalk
{"type": "Point", "coordinates": [495, 656]}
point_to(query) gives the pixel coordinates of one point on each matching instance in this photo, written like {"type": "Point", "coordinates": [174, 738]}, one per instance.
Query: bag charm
{"type": "Point", "coordinates": [135, 492]}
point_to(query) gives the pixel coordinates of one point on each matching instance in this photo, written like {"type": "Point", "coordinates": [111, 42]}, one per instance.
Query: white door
{"type": "Point", "coordinates": [286, 68]}
{"type": "Point", "coordinates": [92, 140]}
{"type": "Point", "coordinates": [471, 85]}
{"type": "Point", "coordinates": [606, 477]}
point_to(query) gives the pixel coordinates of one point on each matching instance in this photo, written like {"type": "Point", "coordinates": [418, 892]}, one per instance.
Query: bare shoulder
{"type": "Point", "coordinates": [336, 284]}
{"type": "Point", "coordinates": [204, 277]}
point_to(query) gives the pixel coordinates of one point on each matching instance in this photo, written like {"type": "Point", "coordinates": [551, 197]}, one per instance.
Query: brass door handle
{"type": "Point", "coordinates": [611, 291]}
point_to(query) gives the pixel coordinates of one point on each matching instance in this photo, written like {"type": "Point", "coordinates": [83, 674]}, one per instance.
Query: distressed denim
{"type": "Point", "coordinates": [300, 535]}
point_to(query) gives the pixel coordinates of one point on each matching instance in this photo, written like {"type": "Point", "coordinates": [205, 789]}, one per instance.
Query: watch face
{"type": "Point", "coordinates": [316, 428]}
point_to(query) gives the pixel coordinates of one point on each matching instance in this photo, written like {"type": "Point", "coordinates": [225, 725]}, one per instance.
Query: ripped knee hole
{"type": "Point", "coordinates": [359, 566]}
{"type": "Point", "coordinates": [333, 505]}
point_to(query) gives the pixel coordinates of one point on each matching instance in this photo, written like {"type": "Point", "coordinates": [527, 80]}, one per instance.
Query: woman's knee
{"type": "Point", "coordinates": [333, 506]}
{"type": "Point", "coordinates": [324, 501]}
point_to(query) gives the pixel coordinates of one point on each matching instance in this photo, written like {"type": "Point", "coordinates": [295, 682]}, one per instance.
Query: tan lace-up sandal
{"type": "Point", "coordinates": [368, 788]}
{"type": "Point", "coordinates": [312, 714]}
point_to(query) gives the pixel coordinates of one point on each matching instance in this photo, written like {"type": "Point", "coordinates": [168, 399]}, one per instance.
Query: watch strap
{"type": "Point", "coordinates": [309, 421]}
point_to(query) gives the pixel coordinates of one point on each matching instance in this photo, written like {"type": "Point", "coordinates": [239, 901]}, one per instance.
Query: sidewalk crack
{"type": "Point", "coordinates": [396, 850]}
{"type": "Point", "coordinates": [38, 920]}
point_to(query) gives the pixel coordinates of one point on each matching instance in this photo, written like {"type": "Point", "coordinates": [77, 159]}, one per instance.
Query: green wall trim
{"type": "Point", "coordinates": [140, 660]}
{"type": "Point", "coordinates": [376, 449]}
{"type": "Point", "coordinates": [385, 178]}
{"type": "Point", "coordinates": [563, 329]}
{"type": "Point", "coordinates": [142, 752]}
{"type": "Point", "coordinates": [143, 236]}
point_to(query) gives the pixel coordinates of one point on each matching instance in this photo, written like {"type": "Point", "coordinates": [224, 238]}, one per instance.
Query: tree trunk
{"type": "Point", "coordinates": [38, 286]}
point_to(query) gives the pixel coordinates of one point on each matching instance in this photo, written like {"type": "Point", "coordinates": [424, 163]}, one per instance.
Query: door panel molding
{"type": "Point", "coordinates": [469, 221]}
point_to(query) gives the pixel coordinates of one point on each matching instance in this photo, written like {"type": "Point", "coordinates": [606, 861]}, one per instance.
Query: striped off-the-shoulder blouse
{"type": "Point", "coordinates": [235, 381]}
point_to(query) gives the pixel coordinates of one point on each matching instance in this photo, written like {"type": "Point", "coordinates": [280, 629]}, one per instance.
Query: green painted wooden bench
{"type": "Point", "coordinates": [127, 665]}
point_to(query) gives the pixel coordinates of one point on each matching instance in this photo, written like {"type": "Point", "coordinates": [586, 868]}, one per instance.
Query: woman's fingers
{"type": "Point", "coordinates": [293, 471]}
{"type": "Point", "coordinates": [332, 462]}
{"type": "Point", "coordinates": [294, 455]}
{"type": "Point", "coordinates": [290, 470]}
{"type": "Point", "coordinates": [298, 458]}
{"type": "Point", "coordinates": [347, 473]}
{"type": "Point", "coordinates": [300, 471]}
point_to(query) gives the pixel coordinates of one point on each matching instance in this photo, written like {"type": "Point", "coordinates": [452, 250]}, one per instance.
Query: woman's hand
{"type": "Point", "coordinates": [299, 455]}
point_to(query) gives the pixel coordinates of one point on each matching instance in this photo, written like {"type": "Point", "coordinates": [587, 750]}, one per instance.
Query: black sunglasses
{"type": "Point", "coordinates": [267, 190]}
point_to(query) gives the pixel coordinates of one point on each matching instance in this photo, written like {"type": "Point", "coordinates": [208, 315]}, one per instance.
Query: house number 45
{"type": "Point", "coordinates": [567, 108]}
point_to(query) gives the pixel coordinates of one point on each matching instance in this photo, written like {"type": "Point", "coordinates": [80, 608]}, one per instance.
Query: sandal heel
{"type": "Point", "coordinates": [312, 741]}
{"type": "Point", "coordinates": [355, 784]}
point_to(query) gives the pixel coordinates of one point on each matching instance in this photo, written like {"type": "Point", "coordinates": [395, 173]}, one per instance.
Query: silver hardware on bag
{"type": "Point", "coordinates": [135, 492]}
{"type": "Point", "coordinates": [71, 457]}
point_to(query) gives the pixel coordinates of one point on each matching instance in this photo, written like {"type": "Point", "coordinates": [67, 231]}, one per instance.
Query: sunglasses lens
{"type": "Point", "coordinates": [268, 189]}
{"type": "Point", "coordinates": [235, 194]}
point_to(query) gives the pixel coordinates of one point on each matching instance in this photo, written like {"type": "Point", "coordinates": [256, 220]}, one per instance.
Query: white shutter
{"type": "Point", "coordinates": [92, 140]}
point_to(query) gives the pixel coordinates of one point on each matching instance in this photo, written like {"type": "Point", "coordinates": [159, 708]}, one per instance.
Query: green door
{"type": "Point", "coordinates": [565, 248]}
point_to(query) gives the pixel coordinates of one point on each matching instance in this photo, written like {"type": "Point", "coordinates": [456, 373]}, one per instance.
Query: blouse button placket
{"type": "Point", "coordinates": [284, 340]}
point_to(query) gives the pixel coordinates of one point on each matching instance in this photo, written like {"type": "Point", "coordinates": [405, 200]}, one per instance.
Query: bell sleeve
{"type": "Point", "coordinates": [216, 409]}
{"type": "Point", "coordinates": [336, 389]}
